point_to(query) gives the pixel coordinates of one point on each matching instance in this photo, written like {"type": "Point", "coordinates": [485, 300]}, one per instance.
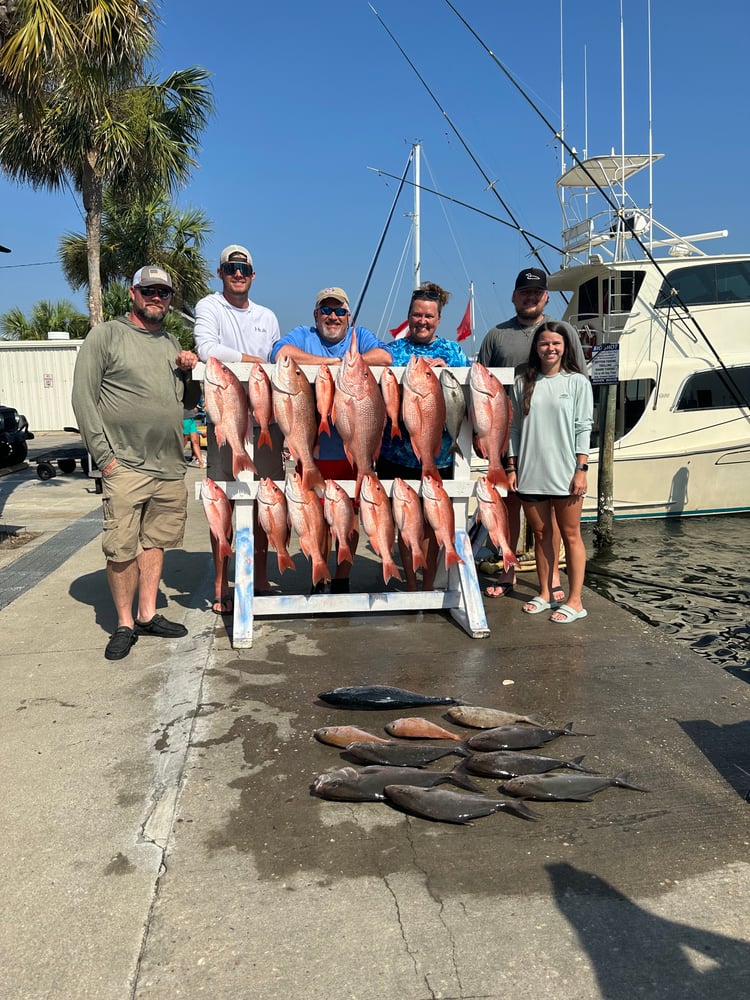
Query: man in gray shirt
{"type": "Point", "coordinates": [507, 345]}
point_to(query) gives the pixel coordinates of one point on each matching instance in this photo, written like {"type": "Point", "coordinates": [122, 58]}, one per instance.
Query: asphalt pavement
{"type": "Point", "coordinates": [161, 839]}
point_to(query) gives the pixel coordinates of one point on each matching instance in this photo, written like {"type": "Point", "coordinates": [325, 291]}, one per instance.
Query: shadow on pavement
{"type": "Point", "coordinates": [635, 953]}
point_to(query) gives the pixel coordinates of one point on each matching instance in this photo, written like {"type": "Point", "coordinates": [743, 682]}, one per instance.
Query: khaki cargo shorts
{"type": "Point", "coordinates": [141, 512]}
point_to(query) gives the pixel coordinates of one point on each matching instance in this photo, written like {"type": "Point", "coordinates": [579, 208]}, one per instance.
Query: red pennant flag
{"type": "Point", "coordinates": [464, 327]}
{"type": "Point", "coordinates": [400, 331]}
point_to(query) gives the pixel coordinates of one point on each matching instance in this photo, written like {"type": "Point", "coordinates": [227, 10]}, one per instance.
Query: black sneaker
{"type": "Point", "coordinates": [120, 642]}
{"type": "Point", "coordinates": [159, 626]}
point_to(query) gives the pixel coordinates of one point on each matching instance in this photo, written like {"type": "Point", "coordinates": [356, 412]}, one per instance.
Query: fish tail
{"type": "Point", "coordinates": [497, 477]}
{"type": "Point", "coordinates": [242, 467]}
{"type": "Point", "coordinates": [391, 570]}
{"type": "Point", "coordinates": [520, 810]}
{"type": "Point", "coordinates": [320, 572]}
{"type": "Point", "coordinates": [312, 478]}
{"type": "Point", "coordinates": [284, 561]}
{"type": "Point", "coordinates": [344, 553]}
{"type": "Point", "coordinates": [264, 438]}
{"type": "Point", "coordinates": [396, 431]}
{"type": "Point", "coordinates": [418, 560]}
{"type": "Point", "coordinates": [575, 764]}
{"type": "Point", "coordinates": [452, 558]}
{"type": "Point", "coordinates": [621, 781]}
{"type": "Point", "coordinates": [459, 776]}
{"type": "Point", "coordinates": [324, 427]}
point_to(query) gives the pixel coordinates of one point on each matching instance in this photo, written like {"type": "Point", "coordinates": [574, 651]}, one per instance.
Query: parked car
{"type": "Point", "coordinates": [14, 433]}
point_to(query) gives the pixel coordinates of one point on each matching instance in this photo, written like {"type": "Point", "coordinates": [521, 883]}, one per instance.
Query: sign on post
{"type": "Point", "coordinates": [605, 364]}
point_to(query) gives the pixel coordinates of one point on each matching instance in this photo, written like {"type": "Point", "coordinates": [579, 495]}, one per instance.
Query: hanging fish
{"type": "Point", "coordinates": [455, 406]}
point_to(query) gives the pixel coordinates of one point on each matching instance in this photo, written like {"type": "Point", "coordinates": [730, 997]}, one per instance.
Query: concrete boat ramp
{"type": "Point", "coordinates": [161, 840]}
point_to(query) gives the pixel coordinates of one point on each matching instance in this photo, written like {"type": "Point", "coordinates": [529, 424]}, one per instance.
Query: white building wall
{"type": "Point", "coordinates": [36, 378]}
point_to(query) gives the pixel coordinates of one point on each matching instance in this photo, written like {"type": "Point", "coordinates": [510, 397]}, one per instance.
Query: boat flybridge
{"type": "Point", "coordinates": [681, 318]}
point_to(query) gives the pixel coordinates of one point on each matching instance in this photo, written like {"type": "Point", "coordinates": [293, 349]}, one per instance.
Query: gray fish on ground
{"type": "Point", "coordinates": [455, 405]}
{"type": "Point", "coordinates": [348, 784]}
{"type": "Point", "coordinates": [381, 696]}
{"type": "Point", "coordinates": [398, 754]}
{"type": "Point", "coordinates": [450, 807]}
{"type": "Point", "coordinates": [511, 764]}
{"type": "Point", "coordinates": [561, 787]}
{"type": "Point", "coordinates": [521, 737]}
{"type": "Point", "coordinates": [486, 718]}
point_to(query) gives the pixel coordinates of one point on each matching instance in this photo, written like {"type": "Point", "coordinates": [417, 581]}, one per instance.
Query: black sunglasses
{"type": "Point", "coordinates": [428, 295]}
{"type": "Point", "coordinates": [149, 291]}
{"type": "Point", "coordinates": [337, 311]}
{"type": "Point", "coordinates": [232, 266]}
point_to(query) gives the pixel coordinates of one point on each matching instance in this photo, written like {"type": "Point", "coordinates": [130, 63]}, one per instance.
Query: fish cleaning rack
{"type": "Point", "coordinates": [457, 590]}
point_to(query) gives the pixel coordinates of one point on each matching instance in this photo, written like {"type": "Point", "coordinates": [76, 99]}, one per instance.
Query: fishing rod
{"type": "Point", "coordinates": [475, 161]}
{"type": "Point", "coordinates": [619, 212]}
{"type": "Point", "coordinates": [472, 208]}
{"type": "Point", "coordinates": [379, 247]}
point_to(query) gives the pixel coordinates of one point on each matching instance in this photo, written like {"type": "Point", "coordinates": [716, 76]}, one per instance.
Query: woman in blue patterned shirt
{"type": "Point", "coordinates": [397, 456]}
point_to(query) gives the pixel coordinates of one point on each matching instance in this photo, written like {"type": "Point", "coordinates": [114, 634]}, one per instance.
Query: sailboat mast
{"type": "Point", "coordinates": [416, 149]}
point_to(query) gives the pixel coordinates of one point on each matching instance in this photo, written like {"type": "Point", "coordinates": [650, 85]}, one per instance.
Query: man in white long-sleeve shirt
{"type": "Point", "coordinates": [233, 329]}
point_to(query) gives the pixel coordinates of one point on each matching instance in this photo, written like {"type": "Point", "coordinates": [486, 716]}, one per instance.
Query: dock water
{"type": "Point", "coordinates": [162, 841]}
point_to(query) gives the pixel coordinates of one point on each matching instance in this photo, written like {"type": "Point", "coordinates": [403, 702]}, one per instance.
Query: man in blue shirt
{"type": "Point", "coordinates": [326, 342]}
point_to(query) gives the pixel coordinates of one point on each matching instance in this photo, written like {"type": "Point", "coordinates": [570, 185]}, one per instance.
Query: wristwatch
{"type": "Point", "coordinates": [583, 467]}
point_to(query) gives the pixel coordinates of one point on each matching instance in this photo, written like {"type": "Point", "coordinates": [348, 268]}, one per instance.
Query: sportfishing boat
{"type": "Point", "coordinates": [676, 319]}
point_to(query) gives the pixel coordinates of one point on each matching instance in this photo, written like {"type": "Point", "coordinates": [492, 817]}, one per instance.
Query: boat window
{"type": "Point", "coordinates": [713, 390]}
{"type": "Point", "coordinates": [632, 399]}
{"type": "Point", "coordinates": [707, 284]}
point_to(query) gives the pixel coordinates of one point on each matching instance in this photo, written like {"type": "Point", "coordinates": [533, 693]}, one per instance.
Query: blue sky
{"type": "Point", "coordinates": [310, 95]}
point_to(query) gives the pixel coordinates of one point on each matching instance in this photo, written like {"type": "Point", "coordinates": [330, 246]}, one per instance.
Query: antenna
{"type": "Point", "coordinates": [650, 141]}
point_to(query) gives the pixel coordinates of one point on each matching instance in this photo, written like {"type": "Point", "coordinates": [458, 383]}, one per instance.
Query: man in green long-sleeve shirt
{"type": "Point", "coordinates": [129, 391]}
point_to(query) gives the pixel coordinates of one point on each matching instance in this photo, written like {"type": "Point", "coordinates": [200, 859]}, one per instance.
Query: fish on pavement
{"type": "Point", "coordinates": [306, 517]}
{"type": "Point", "coordinates": [423, 412]}
{"type": "Point", "coordinates": [324, 390]}
{"type": "Point", "coordinates": [294, 412]}
{"type": "Point", "coordinates": [358, 412]}
{"type": "Point", "coordinates": [227, 407]}
{"type": "Point", "coordinates": [493, 514]}
{"type": "Point", "coordinates": [391, 391]}
{"type": "Point", "coordinates": [409, 519]}
{"type": "Point", "coordinates": [273, 518]}
{"type": "Point", "coordinates": [341, 518]}
{"type": "Point", "coordinates": [522, 737]}
{"type": "Point", "coordinates": [416, 728]}
{"type": "Point", "coordinates": [367, 784]}
{"type": "Point", "coordinates": [218, 511]}
{"type": "Point", "coordinates": [261, 402]}
{"type": "Point", "coordinates": [342, 736]}
{"type": "Point", "coordinates": [455, 405]}
{"type": "Point", "coordinates": [565, 787]}
{"type": "Point", "coordinates": [446, 806]}
{"type": "Point", "coordinates": [382, 696]}
{"type": "Point", "coordinates": [513, 763]}
{"type": "Point", "coordinates": [491, 413]}
{"type": "Point", "coordinates": [438, 510]}
{"type": "Point", "coordinates": [485, 718]}
{"type": "Point", "coordinates": [377, 520]}
{"type": "Point", "coordinates": [398, 754]}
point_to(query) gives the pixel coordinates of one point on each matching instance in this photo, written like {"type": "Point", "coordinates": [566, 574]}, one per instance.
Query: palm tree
{"type": "Point", "coordinates": [78, 107]}
{"type": "Point", "coordinates": [139, 231]}
{"type": "Point", "coordinates": [44, 316]}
